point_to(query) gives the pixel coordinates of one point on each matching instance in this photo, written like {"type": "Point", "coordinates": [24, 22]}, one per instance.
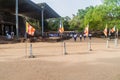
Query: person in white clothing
{"type": "Point", "coordinates": [84, 35]}
{"type": "Point", "coordinates": [75, 37]}
{"type": "Point", "coordinates": [12, 35]}
{"type": "Point", "coordinates": [80, 37]}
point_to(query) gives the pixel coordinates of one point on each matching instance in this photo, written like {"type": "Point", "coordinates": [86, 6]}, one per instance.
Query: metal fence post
{"type": "Point", "coordinates": [107, 45]}
{"type": "Point", "coordinates": [31, 55]}
{"type": "Point", "coordinates": [116, 42]}
{"type": "Point", "coordinates": [64, 48]}
{"type": "Point", "coordinates": [89, 46]}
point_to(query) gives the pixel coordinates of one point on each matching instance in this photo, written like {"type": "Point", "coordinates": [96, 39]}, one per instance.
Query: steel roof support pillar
{"type": "Point", "coordinates": [16, 7]}
{"type": "Point", "coordinates": [42, 15]}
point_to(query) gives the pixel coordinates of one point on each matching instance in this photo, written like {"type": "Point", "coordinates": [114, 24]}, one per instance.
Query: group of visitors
{"type": "Point", "coordinates": [9, 35]}
{"type": "Point", "coordinates": [81, 36]}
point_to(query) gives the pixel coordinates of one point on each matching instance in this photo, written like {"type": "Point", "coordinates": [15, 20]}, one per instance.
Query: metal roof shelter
{"type": "Point", "coordinates": [28, 8]}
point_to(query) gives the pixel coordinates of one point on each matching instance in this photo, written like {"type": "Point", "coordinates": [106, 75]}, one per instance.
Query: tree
{"type": "Point", "coordinates": [66, 23]}
{"type": "Point", "coordinates": [77, 23]}
{"type": "Point", "coordinates": [107, 13]}
{"type": "Point", "coordinates": [97, 17]}
{"type": "Point", "coordinates": [113, 15]}
{"type": "Point", "coordinates": [53, 24]}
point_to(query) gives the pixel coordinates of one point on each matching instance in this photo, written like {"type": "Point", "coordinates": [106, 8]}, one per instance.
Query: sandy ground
{"type": "Point", "coordinates": [50, 63]}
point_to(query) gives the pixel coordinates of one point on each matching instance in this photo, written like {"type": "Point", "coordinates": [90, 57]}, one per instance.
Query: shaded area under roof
{"type": "Point", "coordinates": [28, 8]}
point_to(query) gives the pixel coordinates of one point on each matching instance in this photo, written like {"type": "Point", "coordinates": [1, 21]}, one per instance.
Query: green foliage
{"type": "Point", "coordinates": [54, 23]}
{"type": "Point", "coordinates": [97, 17]}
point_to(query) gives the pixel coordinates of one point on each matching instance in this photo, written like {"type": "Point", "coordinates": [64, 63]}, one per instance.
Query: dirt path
{"type": "Point", "coordinates": [50, 64]}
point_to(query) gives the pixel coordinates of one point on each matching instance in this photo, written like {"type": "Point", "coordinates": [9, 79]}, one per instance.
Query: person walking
{"type": "Point", "coordinates": [75, 37]}
{"type": "Point", "coordinates": [80, 37]}
{"type": "Point", "coordinates": [90, 35]}
{"type": "Point", "coordinates": [12, 35]}
{"type": "Point", "coordinates": [84, 35]}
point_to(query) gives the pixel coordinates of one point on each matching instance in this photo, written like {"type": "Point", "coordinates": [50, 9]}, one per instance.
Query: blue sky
{"type": "Point", "coordinates": [68, 7]}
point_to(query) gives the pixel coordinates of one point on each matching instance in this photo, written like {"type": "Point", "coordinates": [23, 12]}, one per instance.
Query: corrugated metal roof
{"type": "Point", "coordinates": [28, 8]}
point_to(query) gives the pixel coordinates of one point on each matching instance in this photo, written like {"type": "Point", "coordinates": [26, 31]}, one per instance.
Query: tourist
{"type": "Point", "coordinates": [80, 37]}
{"type": "Point", "coordinates": [75, 37]}
{"type": "Point", "coordinates": [90, 35]}
{"type": "Point", "coordinates": [12, 35]}
{"type": "Point", "coordinates": [84, 35]}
